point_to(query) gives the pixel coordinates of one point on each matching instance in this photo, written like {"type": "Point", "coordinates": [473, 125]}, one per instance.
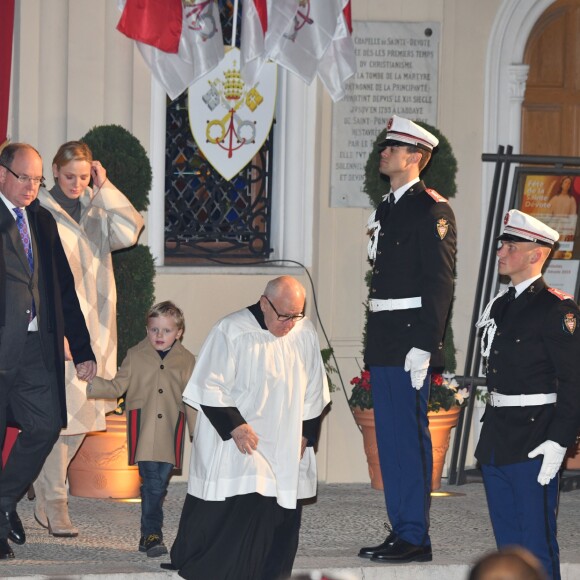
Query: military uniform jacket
{"type": "Point", "coordinates": [536, 349]}
{"type": "Point", "coordinates": [155, 410]}
{"type": "Point", "coordinates": [415, 257]}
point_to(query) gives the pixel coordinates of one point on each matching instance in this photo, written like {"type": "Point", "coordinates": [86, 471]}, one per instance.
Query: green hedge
{"type": "Point", "coordinates": [125, 160]}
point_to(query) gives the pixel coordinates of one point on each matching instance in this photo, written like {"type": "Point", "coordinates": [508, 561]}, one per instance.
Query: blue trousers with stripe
{"type": "Point", "coordinates": [522, 511]}
{"type": "Point", "coordinates": [405, 453]}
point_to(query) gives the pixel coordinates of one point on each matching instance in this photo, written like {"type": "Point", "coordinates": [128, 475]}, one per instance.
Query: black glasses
{"type": "Point", "coordinates": [285, 317]}
{"type": "Point", "coordinates": [38, 181]}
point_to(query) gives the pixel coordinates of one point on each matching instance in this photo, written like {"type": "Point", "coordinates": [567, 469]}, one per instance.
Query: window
{"type": "Point", "coordinates": [288, 188]}
{"type": "Point", "coordinates": [206, 216]}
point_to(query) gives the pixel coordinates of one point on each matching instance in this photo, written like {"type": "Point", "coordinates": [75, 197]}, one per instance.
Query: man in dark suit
{"type": "Point", "coordinates": [38, 308]}
{"type": "Point", "coordinates": [412, 248]}
{"type": "Point", "coordinates": [531, 342]}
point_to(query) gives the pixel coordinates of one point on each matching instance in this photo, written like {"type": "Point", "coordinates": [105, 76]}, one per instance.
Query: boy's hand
{"type": "Point", "coordinates": [86, 371]}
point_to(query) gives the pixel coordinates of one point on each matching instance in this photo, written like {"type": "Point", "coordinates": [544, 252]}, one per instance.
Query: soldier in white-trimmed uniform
{"type": "Point", "coordinates": [412, 248]}
{"type": "Point", "coordinates": [531, 344]}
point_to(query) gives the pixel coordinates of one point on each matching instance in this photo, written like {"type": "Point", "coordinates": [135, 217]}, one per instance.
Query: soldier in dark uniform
{"type": "Point", "coordinates": [413, 249]}
{"type": "Point", "coordinates": [531, 342]}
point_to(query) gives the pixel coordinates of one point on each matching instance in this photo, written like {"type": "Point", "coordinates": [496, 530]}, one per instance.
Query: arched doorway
{"type": "Point", "coordinates": [505, 80]}
{"type": "Point", "coordinates": [551, 106]}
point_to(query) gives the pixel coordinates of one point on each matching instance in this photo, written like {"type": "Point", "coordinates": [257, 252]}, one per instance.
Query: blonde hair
{"type": "Point", "coordinates": [72, 151]}
{"type": "Point", "coordinates": [168, 308]}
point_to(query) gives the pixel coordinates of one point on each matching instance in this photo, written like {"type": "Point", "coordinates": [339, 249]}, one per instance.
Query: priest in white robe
{"type": "Point", "coordinates": [261, 387]}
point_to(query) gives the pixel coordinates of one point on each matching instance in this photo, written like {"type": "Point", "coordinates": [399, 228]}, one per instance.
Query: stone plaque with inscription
{"type": "Point", "coordinates": [398, 64]}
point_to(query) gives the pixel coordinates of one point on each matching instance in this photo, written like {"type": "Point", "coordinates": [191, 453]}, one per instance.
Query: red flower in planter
{"type": "Point", "coordinates": [436, 379]}
{"type": "Point", "coordinates": [443, 394]}
{"type": "Point", "coordinates": [361, 395]}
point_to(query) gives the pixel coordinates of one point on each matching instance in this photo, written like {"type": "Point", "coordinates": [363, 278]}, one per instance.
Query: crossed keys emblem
{"type": "Point", "coordinates": [231, 120]}
{"type": "Point", "coordinates": [231, 131]}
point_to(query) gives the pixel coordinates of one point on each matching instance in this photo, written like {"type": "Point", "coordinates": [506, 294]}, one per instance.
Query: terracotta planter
{"type": "Point", "coordinates": [100, 468]}
{"type": "Point", "coordinates": [572, 460]}
{"type": "Point", "coordinates": [440, 425]}
{"type": "Point", "coordinates": [365, 419]}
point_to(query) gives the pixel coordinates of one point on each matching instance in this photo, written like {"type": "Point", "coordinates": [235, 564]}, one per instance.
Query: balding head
{"type": "Point", "coordinates": [283, 297]}
{"type": "Point", "coordinates": [508, 564]}
{"type": "Point", "coordinates": [20, 173]}
{"type": "Point", "coordinates": [284, 286]}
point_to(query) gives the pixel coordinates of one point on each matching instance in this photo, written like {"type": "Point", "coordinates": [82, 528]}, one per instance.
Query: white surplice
{"type": "Point", "coordinates": [275, 383]}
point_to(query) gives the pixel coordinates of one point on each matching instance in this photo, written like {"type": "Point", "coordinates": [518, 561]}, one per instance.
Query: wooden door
{"type": "Point", "coordinates": [551, 108]}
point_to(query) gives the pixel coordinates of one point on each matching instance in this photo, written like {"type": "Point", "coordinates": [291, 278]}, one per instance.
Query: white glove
{"type": "Point", "coordinates": [417, 363]}
{"type": "Point", "coordinates": [553, 457]}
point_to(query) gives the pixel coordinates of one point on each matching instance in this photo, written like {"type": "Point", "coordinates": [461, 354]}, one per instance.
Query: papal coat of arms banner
{"type": "Point", "coordinates": [229, 119]}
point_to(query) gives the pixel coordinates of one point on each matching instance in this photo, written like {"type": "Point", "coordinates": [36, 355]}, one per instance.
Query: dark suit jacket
{"type": "Point", "coordinates": [59, 312]}
{"type": "Point", "coordinates": [536, 349]}
{"type": "Point", "coordinates": [415, 257]}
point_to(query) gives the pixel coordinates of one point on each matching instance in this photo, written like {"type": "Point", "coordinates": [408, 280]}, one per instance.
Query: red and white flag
{"type": "Point", "coordinates": [263, 25]}
{"type": "Point", "coordinates": [319, 42]}
{"type": "Point", "coordinates": [200, 47]}
{"type": "Point", "coordinates": [339, 62]}
{"type": "Point", "coordinates": [254, 28]}
{"type": "Point", "coordinates": [153, 22]}
{"type": "Point", "coordinates": [308, 37]}
{"type": "Point", "coordinates": [6, 35]}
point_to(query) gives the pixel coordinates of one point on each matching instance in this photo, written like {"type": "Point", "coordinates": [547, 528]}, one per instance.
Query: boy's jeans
{"type": "Point", "coordinates": [155, 478]}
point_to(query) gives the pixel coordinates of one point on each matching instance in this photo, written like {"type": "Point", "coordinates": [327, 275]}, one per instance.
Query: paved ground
{"type": "Point", "coordinates": [344, 517]}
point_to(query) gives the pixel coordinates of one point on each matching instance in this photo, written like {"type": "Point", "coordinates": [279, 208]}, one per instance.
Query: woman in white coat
{"type": "Point", "coordinates": [91, 223]}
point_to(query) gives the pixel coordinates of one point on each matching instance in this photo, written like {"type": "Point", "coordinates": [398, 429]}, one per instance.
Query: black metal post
{"type": "Point", "coordinates": [469, 371]}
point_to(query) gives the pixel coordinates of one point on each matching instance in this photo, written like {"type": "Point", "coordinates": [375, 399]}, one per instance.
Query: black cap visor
{"type": "Point", "coordinates": [394, 143]}
{"type": "Point", "coordinates": [513, 238]}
